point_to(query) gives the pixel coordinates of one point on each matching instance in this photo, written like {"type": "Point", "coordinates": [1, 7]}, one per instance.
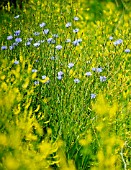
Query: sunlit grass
{"type": "Point", "coordinates": [65, 87]}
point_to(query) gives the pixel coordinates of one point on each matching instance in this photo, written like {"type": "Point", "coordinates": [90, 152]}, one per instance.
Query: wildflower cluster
{"type": "Point", "coordinates": [65, 87]}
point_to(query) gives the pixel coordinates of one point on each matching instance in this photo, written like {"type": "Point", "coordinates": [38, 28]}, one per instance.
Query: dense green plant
{"type": "Point", "coordinates": [65, 86]}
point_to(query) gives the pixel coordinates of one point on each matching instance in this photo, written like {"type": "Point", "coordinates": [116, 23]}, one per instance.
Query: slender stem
{"type": "Point", "coordinates": [123, 160]}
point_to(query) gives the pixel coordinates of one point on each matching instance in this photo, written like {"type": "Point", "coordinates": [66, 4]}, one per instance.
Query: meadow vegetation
{"type": "Point", "coordinates": [65, 96]}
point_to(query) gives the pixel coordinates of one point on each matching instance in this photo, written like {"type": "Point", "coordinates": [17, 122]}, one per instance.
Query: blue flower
{"type": "Point", "coordinates": [75, 43]}
{"type": "Point", "coordinates": [17, 16]}
{"type": "Point", "coordinates": [76, 18]}
{"type": "Point", "coordinates": [34, 70]}
{"type": "Point", "coordinates": [93, 96]}
{"type": "Point", "coordinates": [43, 78]}
{"type": "Point", "coordinates": [18, 40]}
{"type": "Point", "coordinates": [68, 24]}
{"type": "Point", "coordinates": [36, 82]}
{"type": "Point", "coordinates": [17, 33]}
{"type": "Point", "coordinates": [30, 39]}
{"type": "Point", "coordinates": [53, 58]}
{"type": "Point", "coordinates": [70, 65]}
{"type": "Point", "coordinates": [99, 69]}
{"type": "Point", "coordinates": [68, 40]}
{"type": "Point", "coordinates": [76, 81]}
{"type": "Point", "coordinates": [16, 62]}
{"type": "Point", "coordinates": [45, 31]}
{"type": "Point", "coordinates": [127, 50]}
{"type": "Point", "coordinates": [58, 47]}
{"type": "Point", "coordinates": [60, 73]}
{"type": "Point", "coordinates": [76, 30]}
{"type": "Point", "coordinates": [37, 44]}
{"type": "Point", "coordinates": [36, 33]}
{"type": "Point", "coordinates": [88, 74]}
{"type": "Point", "coordinates": [59, 77]}
{"type": "Point", "coordinates": [117, 42]}
{"type": "Point", "coordinates": [28, 43]}
{"type": "Point", "coordinates": [11, 47]}
{"type": "Point", "coordinates": [4, 47]}
{"type": "Point", "coordinates": [15, 44]}
{"type": "Point", "coordinates": [42, 24]}
{"type": "Point", "coordinates": [50, 40]}
{"type": "Point", "coordinates": [10, 37]}
{"type": "Point", "coordinates": [102, 78]}
{"type": "Point", "coordinates": [110, 38]}
{"type": "Point", "coordinates": [93, 69]}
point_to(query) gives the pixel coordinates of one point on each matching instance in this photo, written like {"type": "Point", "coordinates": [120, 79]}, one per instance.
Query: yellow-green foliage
{"type": "Point", "coordinates": [77, 120]}
{"type": "Point", "coordinates": [21, 147]}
